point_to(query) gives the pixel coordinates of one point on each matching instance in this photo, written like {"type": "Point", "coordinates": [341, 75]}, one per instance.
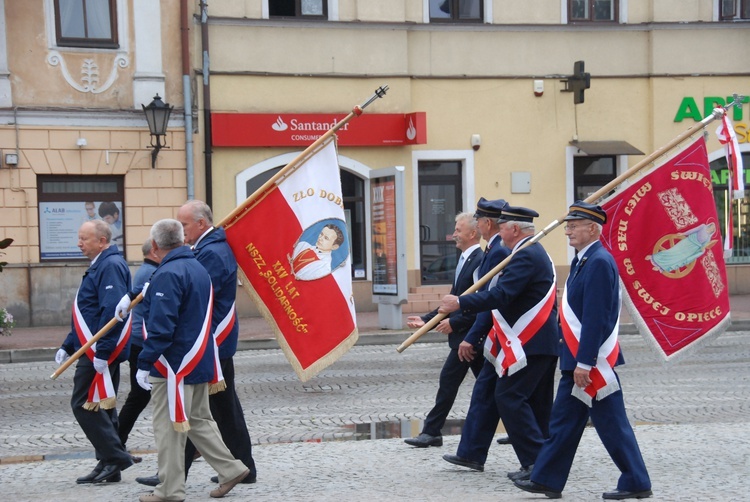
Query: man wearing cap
{"type": "Point", "coordinates": [454, 327]}
{"type": "Point", "coordinates": [520, 352]}
{"type": "Point", "coordinates": [589, 386]}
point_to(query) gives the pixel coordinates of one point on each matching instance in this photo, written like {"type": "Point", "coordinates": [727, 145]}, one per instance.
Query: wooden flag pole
{"type": "Point", "coordinates": [111, 324]}
{"type": "Point", "coordinates": [298, 160]}
{"type": "Point", "coordinates": [716, 114]}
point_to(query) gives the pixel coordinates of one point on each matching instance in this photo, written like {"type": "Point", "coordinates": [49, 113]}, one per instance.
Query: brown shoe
{"type": "Point", "coordinates": [225, 488]}
{"type": "Point", "coordinates": [152, 498]}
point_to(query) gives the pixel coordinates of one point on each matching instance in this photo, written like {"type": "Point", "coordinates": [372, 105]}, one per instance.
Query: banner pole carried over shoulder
{"type": "Point", "coordinates": [715, 115]}
{"type": "Point", "coordinates": [298, 160]}
{"type": "Point", "coordinates": [78, 353]}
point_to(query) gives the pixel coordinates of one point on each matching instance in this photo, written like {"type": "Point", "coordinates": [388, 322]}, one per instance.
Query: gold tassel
{"type": "Point", "coordinates": [219, 386]}
{"type": "Point", "coordinates": [89, 406]}
{"type": "Point", "coordinates": [181, 426]}
{"type": "Point", "coordinates": [108, 403]}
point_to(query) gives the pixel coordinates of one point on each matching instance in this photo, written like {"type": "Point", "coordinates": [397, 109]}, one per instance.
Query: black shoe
{"type": "Point", "coordinates": [136, 459]}
{"type": "Point", "coordinates": [249, 479]}
{"type": "Point", "coordinates": [110, 474]}
{"type": "Point", "coordinates": [524, 473]}
{"type": "Point", "coordinates": [503, 440]}
{"type": "Point", "coordinates": [529, 486]}
{"type": "Point", "coordinates": [425, 440]}
{"type": "Point", "coordinates": [463, 462]}
{"type": "Point", "coordinates": [148, 480]}
{"type": "Point", "coordinates": [622, 495]}
{"type": "Point", "coordinates": [88, 478]}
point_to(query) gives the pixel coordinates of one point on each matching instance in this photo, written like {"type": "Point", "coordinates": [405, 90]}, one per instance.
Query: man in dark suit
{"type": "Point", "coordinates": [589, 386]}
{"type": "Point", "coordinates": [455, 326]}
{"type": "Point", "coordinates": [520, 353]}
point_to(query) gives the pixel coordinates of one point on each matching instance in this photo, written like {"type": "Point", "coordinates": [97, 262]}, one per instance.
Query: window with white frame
{"type": "Point", "coordinates": [306, 9]}
{"type": "Point", "coordinates": [86, 23]}
{"type": "Point", "coordinates": [593, 11]}
{"type": "Point", "coordinates": [730, 10]}
{"type": "Point", "coordinates": [452, 11]}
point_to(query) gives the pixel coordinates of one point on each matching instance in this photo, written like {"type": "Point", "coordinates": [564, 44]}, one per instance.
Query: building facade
{"type": "Point", "coordinates": [479, 86]}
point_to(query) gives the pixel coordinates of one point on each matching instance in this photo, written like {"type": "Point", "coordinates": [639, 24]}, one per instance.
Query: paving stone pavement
{"type": "Point", "coordinates": [691, 420]}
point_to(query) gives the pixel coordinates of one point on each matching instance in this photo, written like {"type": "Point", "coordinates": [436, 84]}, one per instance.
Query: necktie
{"type": "Point", "coordinates": [458, 268]}
{"type": "Point", "coordinates": [573, 269]}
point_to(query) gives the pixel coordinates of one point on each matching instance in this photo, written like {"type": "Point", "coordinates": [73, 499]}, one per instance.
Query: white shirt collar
{"type": "Point", "coordinates": [202, 236]}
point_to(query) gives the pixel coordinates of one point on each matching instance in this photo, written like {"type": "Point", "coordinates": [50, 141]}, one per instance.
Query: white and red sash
{"type": "Point", "coordinates": [222, 332]}
{"type": "Point", "coordinates": [102, 391]}
{"type": "Point", "coordinates": [603, 378]}
{"type": "Point", "coordinates": [175, 380]}
{"type": "Point", "coordinates": [504, 344]}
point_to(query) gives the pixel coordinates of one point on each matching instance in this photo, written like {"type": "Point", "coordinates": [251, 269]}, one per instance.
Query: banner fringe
{"type": "Point", "coordinates": [181, 426]}
{"type": "Point", "coordinates": [640, 324]}
{"type": "Point", "coordinates": [304, 374]}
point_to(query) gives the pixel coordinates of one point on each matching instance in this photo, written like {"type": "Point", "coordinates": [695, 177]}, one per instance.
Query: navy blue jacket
{"type": "Point", "coordinates": [175, 306]}
{"type": "Point", "coordinates": [483, 323]}
{"type": "Point", "coordinates": [103, 284]}
{"type": "Point", "coordinates": [142, 275]}
{"type": "Point", "coordinates": [593, 295]}
{"type": "Point", "coordinates": [524, 283]}
{"type": "Point", "coordinates": [217, 258]}
{"type": "Point", "coordinates": [460, 321]}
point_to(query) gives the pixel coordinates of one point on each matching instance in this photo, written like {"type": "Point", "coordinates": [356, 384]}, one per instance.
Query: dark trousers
{"type": "Point", "coordinates": [451, 376]}
{"type": "Point", "coordinates": [569, 418]}
{"type": "Point", "coordinates": [523, 400]}
{"type": "Point", "coordinates": [100, 426]}
{"type": "Point", "coordinates": [227, 412]}
{"type": "Point", "coordinates": [137, 399]}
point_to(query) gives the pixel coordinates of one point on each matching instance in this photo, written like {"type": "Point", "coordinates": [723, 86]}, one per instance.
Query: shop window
{"type": "Point", "coordinates": [307, 9]}
{"type": "Point", "coordinates": [353, 191]}
{"type": "Point", "coordinates": [740, 209]}
{"type": "Point", "coordinates": [86, 23]}
{"type": "Point", "coordinates": [593, 10]}
{"type": "Point", "coordinates": [590, 173]}
{"type": "Point", "coordinates": [66, 202]}
{"type": "Point", "coordinates": [451, 11]}
{"type": "Point", "coordinates": [734, 9]}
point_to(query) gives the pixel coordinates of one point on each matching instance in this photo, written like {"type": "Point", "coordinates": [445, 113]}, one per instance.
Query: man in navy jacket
{"type": "Point", "coordinates": [455, 326]}
{"type": "Point", "coordinates": [212, 251]}
{"type": "Point", "coordinates": [103, 284]}
{"type": "Point", "coordinates": [524, 387]}
{"type": "Point", "coordinates": [589, 320]}
{"type": "Point", "coordinates": [178, 354]}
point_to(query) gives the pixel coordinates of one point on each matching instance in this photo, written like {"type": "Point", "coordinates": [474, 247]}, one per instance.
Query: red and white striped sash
{"type": "Point", "coordinates": [603, 378]}
{"type": "Point", "coordinates": [175, 379]}
{"type": "Point", "coordinates": [102, 391]}
{"type": "Point", "coordinates": [504, 344]}
{"type": "Point", "coordinates": [222, 331]}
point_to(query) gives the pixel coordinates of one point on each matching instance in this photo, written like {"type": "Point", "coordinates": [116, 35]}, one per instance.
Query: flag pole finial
{"type": "Point", "coordinates": [379, 93]}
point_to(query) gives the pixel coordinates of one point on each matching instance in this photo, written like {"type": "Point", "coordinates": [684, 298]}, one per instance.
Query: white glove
{"type": "Point", "coordinates": [145, 287]}
{"type": "Point", "coordinates": [100, 365]}
{"type": "Point", "coordinates": [121, 311]}
{"type": "Point", "coordinates": [142, 378]}
{"type": "Point", "coordinates": [61, 356]}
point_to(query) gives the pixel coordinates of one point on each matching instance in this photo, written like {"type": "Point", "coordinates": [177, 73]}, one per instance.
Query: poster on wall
{"type": "Point", "coordinates": [59, 223]}
{"type": "Point", "coordinates": [384, 252]}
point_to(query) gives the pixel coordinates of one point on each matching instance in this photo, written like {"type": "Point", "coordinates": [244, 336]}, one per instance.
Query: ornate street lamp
{"type": "Point", "coordinates": [157, 115]}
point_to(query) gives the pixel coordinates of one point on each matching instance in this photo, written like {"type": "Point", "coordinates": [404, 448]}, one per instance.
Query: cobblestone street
{"type": "Point", "coordinates": [691, 420]}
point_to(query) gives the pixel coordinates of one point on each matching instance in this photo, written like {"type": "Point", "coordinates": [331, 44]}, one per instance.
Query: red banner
{"type": "Point", "coordinates": [665, 236]}
{"type": "Point", "coordinates": [292, 245]}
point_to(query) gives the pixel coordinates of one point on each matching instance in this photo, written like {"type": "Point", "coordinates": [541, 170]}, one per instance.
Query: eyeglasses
{"type": "Point", "coordinates": [570, 227]}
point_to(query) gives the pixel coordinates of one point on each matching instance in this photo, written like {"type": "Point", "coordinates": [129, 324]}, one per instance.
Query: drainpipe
{"type": "Point", "coordinates": [206, 105]}
{"type": "Point", "coordinates": [187, 100]}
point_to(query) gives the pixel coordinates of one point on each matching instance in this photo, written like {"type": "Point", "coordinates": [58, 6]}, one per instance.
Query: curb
{"type": "Point", "coordinates": [385, 337]}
